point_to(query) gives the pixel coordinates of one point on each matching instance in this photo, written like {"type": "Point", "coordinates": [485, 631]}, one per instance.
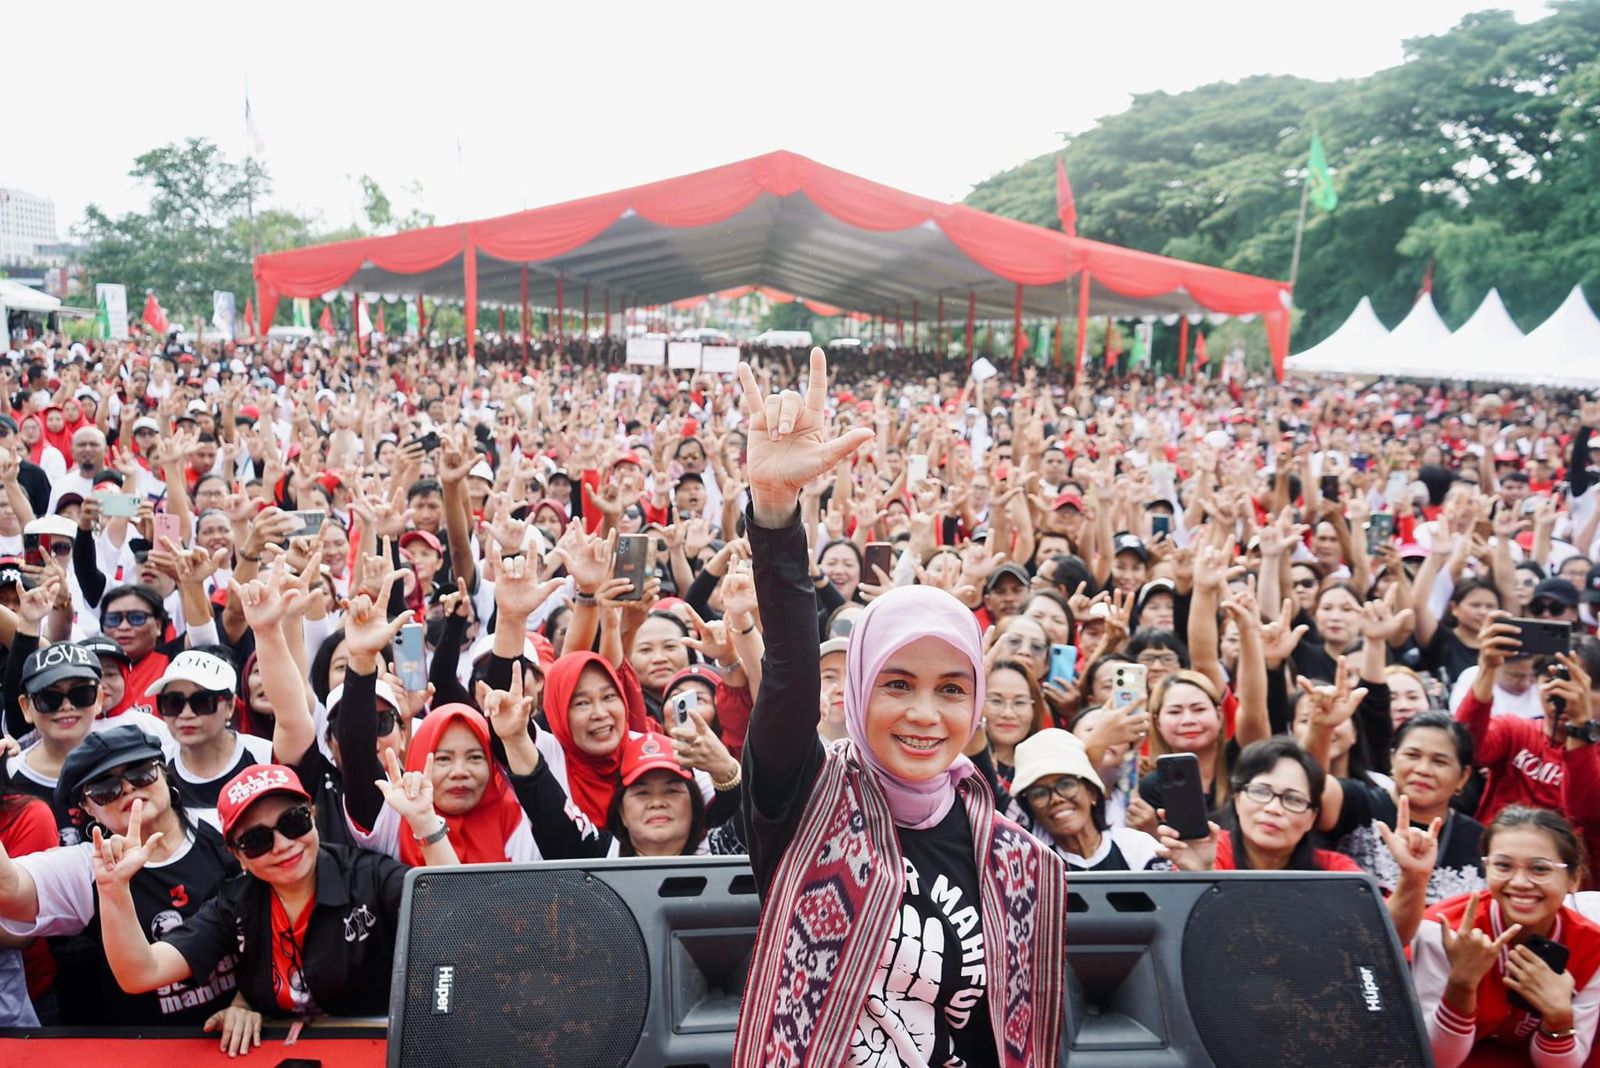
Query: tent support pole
{"type": "Point", "coordinates": [940, 318]}
{"type": "Point", "coordinates": [914, 311]}
{"type": "Point", "coordinates": [972, 313]}
{"type": "Point", "coordinates": [561, 307]}
{"type": "Point", "coordinates": [586, 311]}
{"type": "Point", "coordinates": [1083, 321]}
{"type": "Point", "coordinates": [1016, 333]}
{"type": "Point", "coordinates": [1183, 345]}
{"type": "Point", "coordinates": [470, 286]}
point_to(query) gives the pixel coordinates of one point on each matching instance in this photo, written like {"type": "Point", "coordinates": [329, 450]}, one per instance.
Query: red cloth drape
{"type": "Point", "coordinates": [1183, 345]}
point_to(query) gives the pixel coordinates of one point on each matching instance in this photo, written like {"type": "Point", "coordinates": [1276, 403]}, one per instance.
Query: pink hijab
{"type": "Point", "coordinates": [890, 622]}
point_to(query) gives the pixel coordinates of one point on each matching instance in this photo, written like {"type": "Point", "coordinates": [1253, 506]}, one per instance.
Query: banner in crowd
{"type": "Point", "coordinates": [111, 315]}
{"type": "Point", "coordinates": [1143, 336]}
{"type": "Point", "coordinates": [683, 355]}
{"type": "Point", "coordinates": [722, 359]}
{"type": "Point", "coordinates": [413, 323]}
{"type": "Point", "coordinates": [302, 312]}
{"type": "Point", "coordinates": [647, 351]}
{"type": "Point", "coordinates": [224, 313]}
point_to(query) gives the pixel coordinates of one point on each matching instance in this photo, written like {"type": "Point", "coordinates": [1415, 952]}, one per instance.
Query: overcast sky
{"type": "Point", "coordinates": [550, 102]}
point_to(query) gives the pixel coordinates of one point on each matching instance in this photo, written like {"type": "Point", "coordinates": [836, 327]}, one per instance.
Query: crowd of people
{"type": "Point", "coordinates": [283, 622]}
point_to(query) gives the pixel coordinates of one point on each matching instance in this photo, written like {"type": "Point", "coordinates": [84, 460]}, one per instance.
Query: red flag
{"type": "Point", "coordinates": [249, 317]}
{"type": "Point", "coordinates": [1066, 207]}
{"type": "Point", "coordinates": [379, 327]}
{"type": "Point", "coordinates": [1199, 351]}
{"type": "Point", "coordinates": [1113, 345]}
{"type": "Point", "coordinates": [154, 317]}
{"type": "Point", "coordinates": [1427, 280]}
{"type": "Point", "coordinates": [325, 324]}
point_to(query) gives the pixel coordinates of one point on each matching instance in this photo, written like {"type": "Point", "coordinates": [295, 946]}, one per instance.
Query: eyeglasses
{"type": "Point", "coordinates": [1160, 659]}
{"type": "Point", "coordinates": [1293, 801]}
{"type": "Point", "coordinates": [171, 703]}
{"type": "Point", "coordinates": [1000, 704]}
{"type": "Point", "coordinates": [134, 618]}
{"type": "Point", "coordinates": [1305, 583]}
{"type": "Point", "coordinates": [1067, 789]}
{"type": "Point", "coordinates": [104, 790]}
{"type": "Point", "coordinates": [1543, 606]}
{"type": "Point", "coordinates": [60, 547]}
{"type": "Point", "coordinates": [295, 823]}
{"type": "Point", "coordinates": [1017, 643]}
{"type": "Point", "coordinates": [82, 695]}
{"type": "Point", "coordinates": [1540, 872]}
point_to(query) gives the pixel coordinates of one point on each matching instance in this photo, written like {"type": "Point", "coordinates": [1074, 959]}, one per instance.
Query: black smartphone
{"type": "Point", "coordinates": [1552, 953]}
{"type": "Point", "coordinates": [1543, 637]}
{"type": "Point", "coordinates": [1329, 484]}
{"type": "Point", "coordinates": [1360, 461]}
{"type": "Point", "coordinates": [1160, 525]}
{"type": "Point", "coordinates": [635, 560]}
{"type": "Point", "coordinates": [32, 554]}
{"type": "Point", "coordinates": [428, 441]}
{"type": "Point", "coordinates": [1183, 795]}
{"type": "Point", "coordinates": [878, 554]}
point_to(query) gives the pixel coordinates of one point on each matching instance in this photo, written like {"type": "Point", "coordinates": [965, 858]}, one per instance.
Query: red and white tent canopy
{"type": "Point", "coordinates": [780, 221]}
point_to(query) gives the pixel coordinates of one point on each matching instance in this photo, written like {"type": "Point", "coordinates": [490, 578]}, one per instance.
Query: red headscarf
{"type": "Point", "coordinates": [36, 450]}
{"type": "Point", "coordinates": [480, 835]}
{"type": "Point", "coordinates": [591, 780]}
{"type": "Point", "coordinates": [61, 439]}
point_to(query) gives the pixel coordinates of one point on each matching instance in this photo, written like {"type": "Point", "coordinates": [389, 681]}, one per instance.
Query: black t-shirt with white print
{"type": "Point", "coordinates": [930, 988]}
{"type": "Point", "coordinates": [200, 795]}
{"type": "Point", "coordinates": [1459, 869]}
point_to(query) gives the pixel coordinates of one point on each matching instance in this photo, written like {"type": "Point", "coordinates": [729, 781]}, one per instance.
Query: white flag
{"type": "Point", "coordinates": [363, 322]}
{"type": "Point", "coordinates": [251, 130]}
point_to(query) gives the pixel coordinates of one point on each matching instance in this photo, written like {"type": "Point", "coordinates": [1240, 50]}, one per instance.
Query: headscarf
{"type": "Point", "coordinates": [592, 780]}
{"type": "Point", "coordinates": [61, 439]}
{"type": "Point", "coordinates": [36, 450]}
{"type": "Point", "coordinates": [891, 622]}
{"type": "Point", "coordinates": [480, 834]}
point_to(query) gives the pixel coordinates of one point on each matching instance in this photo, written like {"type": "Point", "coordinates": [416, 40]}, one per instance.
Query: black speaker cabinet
{"type": "Point", "coordinates": [1236, 970]}
{"type": "Point", "coordinates": [620, 963]}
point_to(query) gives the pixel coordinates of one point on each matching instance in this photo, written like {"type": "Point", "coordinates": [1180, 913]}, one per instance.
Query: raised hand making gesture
{"type": "Point", "coordinates": [787, 443]}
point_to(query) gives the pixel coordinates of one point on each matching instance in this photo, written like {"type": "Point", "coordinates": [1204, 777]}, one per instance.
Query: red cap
{"type": "Point", "coordinates": [691, 427]}
{"type": "Point", "coordinates": [251, 785]}
{"type": "Point", "coordinates": [648, 752]}
{"type": "Point", "coordinates": [329, 480]}
{"type": "Point", "coordinates": [1068, 499]}
{"type": "Point", "coordinates": [426, 537]}
{"type": "Point", "coordinates": [629, 457]}
{"type": "Point", "coordinates": [250, 412]}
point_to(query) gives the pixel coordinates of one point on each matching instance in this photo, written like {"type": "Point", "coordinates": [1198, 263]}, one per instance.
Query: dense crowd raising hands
{"type": "Point", "coordinates": [645, 627]}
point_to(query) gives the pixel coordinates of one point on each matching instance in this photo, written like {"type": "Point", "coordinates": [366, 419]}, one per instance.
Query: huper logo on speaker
{"type": "Point", "coordinates": [1369, 990]}
{"type": "Point", "coordinates": [444, 981]}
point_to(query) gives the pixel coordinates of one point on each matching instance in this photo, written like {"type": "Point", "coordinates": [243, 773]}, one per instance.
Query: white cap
{"type": "Point", "coordinates": [384, 691]}
{"type": "Point", "coordinates": [1052, 751]}
{"type": "Point", "coordinates": [482, 470]}
{"type": "Point", "coordinates": [198, 406]}
{"type": "Point", "coordinates": [57, 526]}
{"type": "Point", "coordinates": [144, 422]}
{"type": "Point", "coordinates": [205, 670]}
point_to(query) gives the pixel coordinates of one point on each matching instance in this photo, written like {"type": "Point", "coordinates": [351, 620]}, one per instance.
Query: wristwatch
{"type": "Point", "coordinates": [1588, 733]}
{"type": "Point", "coordinates": [437, 835]}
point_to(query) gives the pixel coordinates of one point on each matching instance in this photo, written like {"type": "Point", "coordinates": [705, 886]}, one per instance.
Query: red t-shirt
{"type": "Point", "coordinates": [1524, 768]}
{"type": "Point", "coordinates": [136, 679]}
{"type": "Point", "coordinates": [32, 829]}
{"type": "Point", "coordinates": [1325, 859]}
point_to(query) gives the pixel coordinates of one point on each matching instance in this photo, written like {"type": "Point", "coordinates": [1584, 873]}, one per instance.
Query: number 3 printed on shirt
{"type": "Point", "coordinates": [901, 998]}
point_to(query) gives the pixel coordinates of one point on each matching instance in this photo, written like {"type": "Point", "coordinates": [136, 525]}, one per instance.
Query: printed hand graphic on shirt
{"type": "Point", "coordinates": [900, 1012]}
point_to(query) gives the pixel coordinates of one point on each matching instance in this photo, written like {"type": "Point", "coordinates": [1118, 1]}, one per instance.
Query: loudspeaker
{"type": "Point", "coordinates": [1236, 969]}
{"type": "Point", "coordinates": [603, 964]}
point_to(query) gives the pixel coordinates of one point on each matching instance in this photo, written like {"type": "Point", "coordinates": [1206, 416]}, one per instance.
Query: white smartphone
{"type": "Point", "coordinates": [684, 703]}
{"type": "Point", "coordinates": [916, 469]}
{"type": "Point", "coordinates": [1128, 684]}
{"type": "Point", "coordinates": [408, 658]}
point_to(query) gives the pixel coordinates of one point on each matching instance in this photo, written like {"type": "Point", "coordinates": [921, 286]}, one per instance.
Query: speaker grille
{"type": "Point", "coordinates": [1297, 974]}
{"type": "Point", "coordinates": [526, 948]}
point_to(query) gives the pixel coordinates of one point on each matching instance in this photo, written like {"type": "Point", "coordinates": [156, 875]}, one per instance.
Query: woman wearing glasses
{"type": "Point", "coordinates": [195, 698]}
{"type": "Point", "coordinates": [313, 925]}
{"type": "Point", "coordinates": [136, 619]}
{"type": "Point", "coordinates": [1480, 982]}
{"type": "Point", "coordinates": [1014, 709]}
{"type": "Point", "coordinates": [1062, 801]}
{"type": "Point", "coordinates": [52, 894]}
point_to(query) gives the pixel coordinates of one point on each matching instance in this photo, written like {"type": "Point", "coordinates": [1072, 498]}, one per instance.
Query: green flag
{"type": "Point", "coordinates": [1321, 182]}
{"type": "Point", "coordinates": [302, 311]}
{"type": "Point", "coordinates": [1141, 344]}
{"type": "Point", "coordinates": [102, 320]}
{"type": "Point", "coordinates": [413, 326]}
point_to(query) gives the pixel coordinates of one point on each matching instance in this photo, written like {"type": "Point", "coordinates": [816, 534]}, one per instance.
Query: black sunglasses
{"type": "Point", "coordinates": [134, 618]}
{"type": "Point", "coordinates": [171, 703]}
{"type": "Point", "coordinates": [1544, 607]}
{"type": "Point", "coordinates": [257, 841]}
{"type": "Point", "coordinates": [82, 696]}
{"type": "Point", "coordinates": [107, 789]}
{"type": "Point", "coordinates": [388, 720]}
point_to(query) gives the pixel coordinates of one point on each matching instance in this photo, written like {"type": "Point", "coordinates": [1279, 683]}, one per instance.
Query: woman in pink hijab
{"type": "Point", "coordinates": [898, 909]}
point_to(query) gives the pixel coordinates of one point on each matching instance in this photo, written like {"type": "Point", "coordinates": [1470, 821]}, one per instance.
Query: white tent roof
{"type": "Point", "coordinates": [18, 297]}
{"type": "Point", "coordinates": [1485, 345]}
{"type": "Point", "coordinates": [1416, 347]}
{"type": "Point", "coordinates": [1564, 349]}
{"type": "Point", "coordinates": [1348, 350]}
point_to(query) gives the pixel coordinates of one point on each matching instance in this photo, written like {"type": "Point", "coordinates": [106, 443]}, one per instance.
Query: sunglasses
{"type": "Point", "coordinates": [1545, 607]}
{"type": "Point", "coordinates": [107, 789]}
{"type": "Point", "coordinates": [388, 720]}
{"type": "Point", "coordinates": [1305, 584]}
{"type": "Point", "coordinates": [82, 696]}
{"type": "Point", "coordinates": [295, 823]}
{"type": "Point", "coordinates": [171, 704]}
{"type": "Point", "coordinates": [133, 618]}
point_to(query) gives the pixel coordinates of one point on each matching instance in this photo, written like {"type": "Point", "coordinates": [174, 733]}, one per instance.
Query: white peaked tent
{"type": "Point", "coordinates": [1415, 348]}
{"type": "Point", "coordinates": [1486, 345]}
{"type": "Point", "coordinates": [1564, 349]}
{"type": "Point", "coordinates": [1349, 349]}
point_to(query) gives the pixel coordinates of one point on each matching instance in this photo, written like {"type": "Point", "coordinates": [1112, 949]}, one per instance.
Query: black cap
{"type": "Point", "coordinates": [99, 753]}
{"type": "Point", "coordinates": [106, 474]}
{"type": "Point", "coordinates": [56, 662]}
{"type": "Point", "coordinates": [1130, 543]}
{"type": "Point", "coordinates": [1014, 570]}
{"type": "Point", "coordinates": [11, 574]}
{"type": "Point", "coordinates": [1557, 589]}
{"type": "Point", "coordinates": [1591, 586]}
{"type": "Point", "coordinates": [9, 423]}
{"type": "Point", "coordinates": [102, 646]}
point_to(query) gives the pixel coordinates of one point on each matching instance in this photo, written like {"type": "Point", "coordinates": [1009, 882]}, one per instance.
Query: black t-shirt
{"type": "Point", "coordinates": [1150, 784]}
{"type": "Point", "coordinates": [930, 982]}
{"type": "Point", "coordinates": [322, 781]}
{"type": "Point", "coordinates": [24, 780]}
{"type": "Point", "coordinates": [203, 794]}
{"type": "Point", "coordinates": [1459, 869]}
{"type": "Point", "coordinates": [1449, 652]}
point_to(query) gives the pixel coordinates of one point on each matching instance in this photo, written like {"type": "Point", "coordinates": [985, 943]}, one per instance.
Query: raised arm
{"type": "Point", "coordinates": [137, 965]}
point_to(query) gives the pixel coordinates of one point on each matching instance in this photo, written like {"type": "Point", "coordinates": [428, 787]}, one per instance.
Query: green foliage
{"type": "Point", "coordinates": [1480, 152]}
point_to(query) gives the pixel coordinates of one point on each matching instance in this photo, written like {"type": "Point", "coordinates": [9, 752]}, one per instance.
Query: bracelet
{"type": "Point", "coordinates": [438, 835]}
{"type": "Point", "coordinates": [724, 787]}
{"type": "Point", "coordinates": [246, 556]}
{"type": "Point", "coordinates": [1567, 1033]}
{"type": "Point", "coordinates": [748, 630]}
{"type": "Point", "coordinates": [585, 599]}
